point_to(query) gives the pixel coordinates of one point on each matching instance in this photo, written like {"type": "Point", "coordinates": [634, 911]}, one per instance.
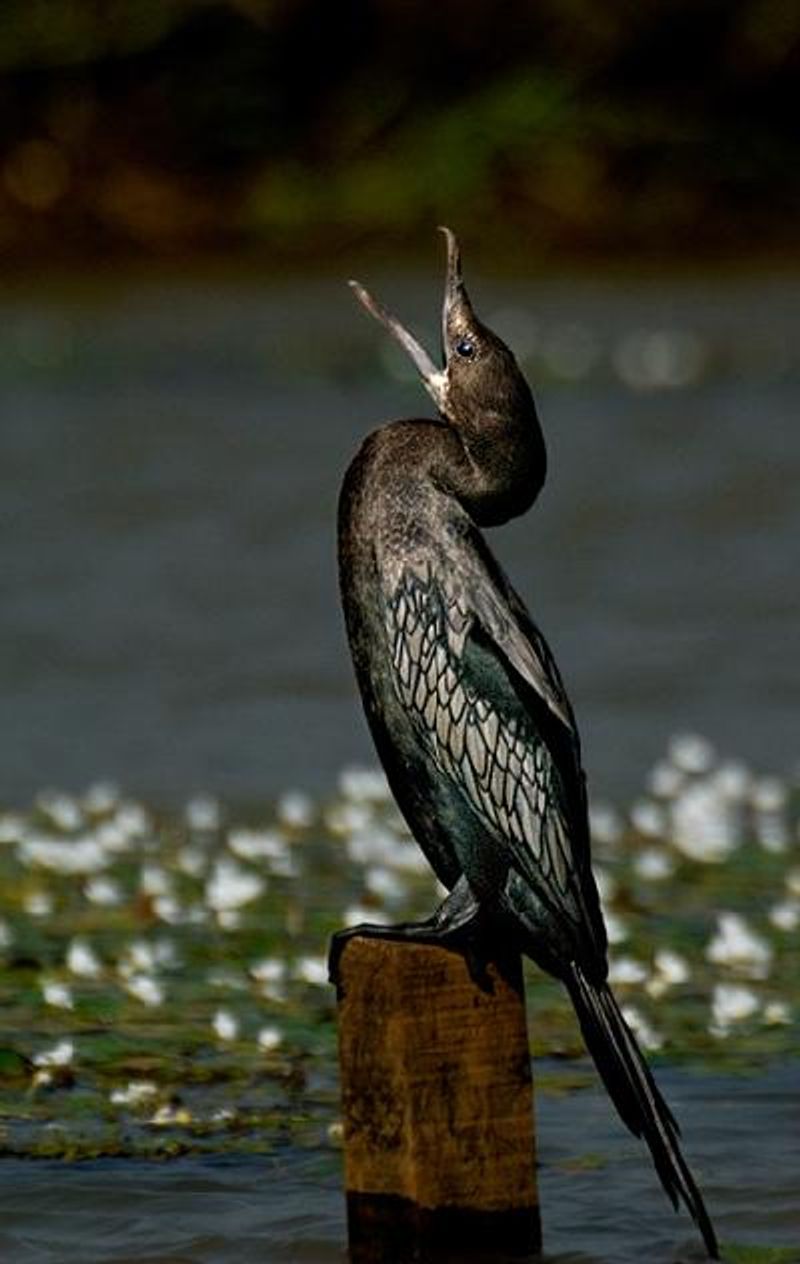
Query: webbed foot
{"type": "Point", "coordinates": [455, 925]}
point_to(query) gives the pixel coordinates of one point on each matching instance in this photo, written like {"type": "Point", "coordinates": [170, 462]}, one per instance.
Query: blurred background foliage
{"type": "Point", "coordinates": [665, 129]}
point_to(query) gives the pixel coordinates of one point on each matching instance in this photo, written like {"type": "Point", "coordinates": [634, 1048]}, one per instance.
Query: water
{"type": "Point", "coordinates": [170, 456]}
{"type": "Point", "coordinates": [289, 1206]}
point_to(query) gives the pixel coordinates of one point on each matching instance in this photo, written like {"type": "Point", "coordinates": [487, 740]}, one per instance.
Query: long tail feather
{"type": "Point", "coordinates": [633, 1091]}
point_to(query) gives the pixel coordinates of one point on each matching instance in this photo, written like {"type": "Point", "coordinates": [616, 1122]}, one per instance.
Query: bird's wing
{"type": "Point", "coordinates": [495, 721]}
{"type": "Point", "coordinates": [485, 597]}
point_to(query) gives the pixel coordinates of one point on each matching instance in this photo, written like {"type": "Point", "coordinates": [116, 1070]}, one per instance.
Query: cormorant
{"type": "Point", "coordinates": [465, 703]}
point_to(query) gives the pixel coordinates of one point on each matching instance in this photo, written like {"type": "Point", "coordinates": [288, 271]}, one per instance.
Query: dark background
{"type": "Point", "coordinates": [558, 128]}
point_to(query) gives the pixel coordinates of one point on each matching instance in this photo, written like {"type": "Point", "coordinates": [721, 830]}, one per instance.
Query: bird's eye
{"type": "Point", "coordinates": [465, 348]}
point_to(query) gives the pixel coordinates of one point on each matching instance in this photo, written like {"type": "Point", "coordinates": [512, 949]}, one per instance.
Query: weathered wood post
{"type": "Point", "coordinates": [437, 1105]}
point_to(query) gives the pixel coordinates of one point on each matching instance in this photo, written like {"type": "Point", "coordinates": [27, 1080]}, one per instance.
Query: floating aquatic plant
{"type": "Point", "coordinates": [164, 976]}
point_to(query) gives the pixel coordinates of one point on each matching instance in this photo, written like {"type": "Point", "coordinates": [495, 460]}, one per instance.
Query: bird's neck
{"type": "Point", "coordinates": [495, 471]}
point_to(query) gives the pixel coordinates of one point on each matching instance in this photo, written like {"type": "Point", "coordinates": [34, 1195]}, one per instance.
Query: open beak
{"type": "Point", "coordinates": [433, 379]}
{"type": "Point", "coordinates": [455, 298]}
{"type": "Point", "coordinates": [456, 309]}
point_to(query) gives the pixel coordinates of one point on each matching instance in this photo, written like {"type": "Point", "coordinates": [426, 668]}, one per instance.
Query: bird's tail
{"type": "Point", "coordinates": [633, 1091]}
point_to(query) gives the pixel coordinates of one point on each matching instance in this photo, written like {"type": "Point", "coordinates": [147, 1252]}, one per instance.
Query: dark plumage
{"type": "Point", "coordinates": [465, 703]}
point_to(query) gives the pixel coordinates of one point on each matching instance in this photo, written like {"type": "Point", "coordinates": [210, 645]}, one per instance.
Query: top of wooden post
{"type": "Point", "coordinates": [436, 1089]}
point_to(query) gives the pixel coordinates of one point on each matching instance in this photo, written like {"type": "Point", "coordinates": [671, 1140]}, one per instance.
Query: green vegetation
{"type": "Point", "coordinates": [163, 985]}
{"type": "Point", "coordinates": [759, 1254]}
{"type": "Point", "coordinates": [298, 128]}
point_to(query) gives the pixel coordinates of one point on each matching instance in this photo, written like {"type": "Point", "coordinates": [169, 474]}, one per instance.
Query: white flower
{"type": "Point", "coordinates": [155, 881]}
{"type": "Point", "coordinates": [12, 827]}
{"type": "Point", "coordinates": [647, 817]}
{"type": "Point", "coordinates": [62, 810]}
{"type": "Point", "coordinates": [312, 970]}
{"type": "Point", "coordinates": [772, 831]}
{"type": "Point", "coordinates": [295, 808]}
{"type": "Point", "coordinates": [738, 947]}
{"type": "Point", "coordinates": [407, 857]}
{"type": "Point", "coordinates": [777, 1013]}
{"type": "Point", "coordinates": [626, 971]}
{"type": "Point", "coordinates": [731, 1004]}
{"type": "Point", "coordinates": [265, 844]}
{"type": "Point", "coordinates": [268, 970]}
{"type": "Point", "coordinates": [691, 753]}
{"type": "Point", "coordinates": [203, 813]}
{"type": "Point", "coordinates": [670, 969]}
{"type": "Point", "coordinates": [704, 825]}
{"type": "Point", "coordinates": [225, 1024]}
{"type": "Point", "coordinates": [271, 974]}
{"type": "Point", "coordinates": [769, 797]}
{"type": "Point", "coordinates": [145, 988]}
{"type": "Point", "coordinates": [132, 819]}
{"type": "Point", "coordinates": [82, 959]}
{"type": "Point", "coordinates": [136, 1091]}
{"type": "Point", "coordinates": [139, 956]}
{"type": "Point", "coordinates": [103, 891]}
{"type": "Point", "coordinates": [112, 837]}
{"type": "Point", "coordinates": [38, 903]}
{"type": "Point", "coordinates": [785, 915]}
{"type": "Point", "coordinates": [57, 994]}
{"type": "Point", "coordinates": [769, 794]}
{"type": "Point", "coordinates": [384, 884]}
{"type": "Point", "coordinates": [60, 1055]}
{"type": "Point", "coordinates": [672, 966]}
{"type": "Point", "coordinates": [665, 780]}
{"type": "Point", "coordinates": [269, 1038]}
{"type": "Point", "coordinates": [364, 785]}
{"type": "Point", "coordinates": [230, 886]}
{"type": "Point", "coordinates": [654, 864]}
{"type": "Point", "coordinates": [605, 823]}
{"type": "Point", "coordinates": [170, 1114]}
{"type": "Point", "coordinates": [344, 819]}
{"type": "Point", "coordinates": [376, 845]}
{"type": "Point", "coordinates": [142, 957]}
{"type": "Point", "coordinates": [167, 909]}
{"type": "Point", "coordinates": [616, 930]}
{"type": "Point", "coordinates": [192, 860]}
{"type": "Point", "coordinates": [63, 855]}
{"type": "Point", "coordinates": [733, 780]}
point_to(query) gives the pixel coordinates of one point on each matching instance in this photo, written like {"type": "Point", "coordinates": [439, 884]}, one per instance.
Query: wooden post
{"type": "Point", "coordinates": [437, 1106]}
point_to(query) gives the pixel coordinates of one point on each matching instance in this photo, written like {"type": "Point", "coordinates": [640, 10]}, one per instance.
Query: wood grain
{"type": "Point", "coordinates": [437, 1104]}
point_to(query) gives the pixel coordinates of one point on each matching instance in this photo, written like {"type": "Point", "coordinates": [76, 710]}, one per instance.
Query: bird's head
{"type": "Point", "coordinates": [480, 380]}
{"type": "Point", "coordinates": [481, 394]}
